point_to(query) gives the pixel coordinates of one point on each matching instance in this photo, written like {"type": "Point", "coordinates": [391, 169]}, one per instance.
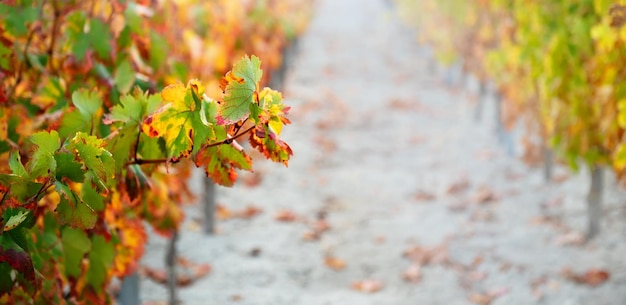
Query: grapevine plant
{"type": "Point", "coordinates": [91, 149]}
{"type": "Point", "coordinates": [559, 65]}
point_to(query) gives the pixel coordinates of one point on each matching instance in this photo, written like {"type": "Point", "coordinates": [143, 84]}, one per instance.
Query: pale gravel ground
{"type": "Point", "coordinates": [354, 61]}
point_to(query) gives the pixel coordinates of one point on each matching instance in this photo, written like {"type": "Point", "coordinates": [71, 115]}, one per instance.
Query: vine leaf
{"type": "Point", "coordinates": [75, 245]}
{"type": "Point", "coordinates": [13, 255]}
{"type": "Point", "coordinates": [42, 162]}
{"type": "Point", "coordinates": [221, 161]}
{"type": "Point", "coordinates": [72, 210]}
{"type": "Point", "coordinates": [15, 220]}
{"type": "Point", "coordinates": [240, 87]}
{"type": "Point", "coordinates": [98, 161]}
{"type": "Point", "coordinates": [180, 122]}
{"type": "Point", "coordinates": [88, 108]}
{"type": "Point", "coordinates": [267, 142]}
{"type": "Point", "coordinates": [101, 258]}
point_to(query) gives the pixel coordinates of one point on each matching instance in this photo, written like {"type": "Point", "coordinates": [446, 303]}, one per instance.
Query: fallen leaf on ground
{"type": "Point", "coordinates": [570, 239]}
{"type": "Point", "coordinates": [252, 179]}
{"type": "Point", "coordinates": [320, 226]}
{"type": "Point", "coordinates": [334, 263]}
{"type": "Point", "coordinates": [310, 236]}
{"type": "Point", "coordinates": [424, 196]}
{"type": "Point", "coordinates": [487, 298]}
{"type": "Point", "coordinates": [484, 195]}
{"type": "Point", "coordinates": [285, 216]}
{"type": "Point", "coordinates": [480, 298]}
{"type": "Point", "coordinates": [249, 212]}
{"type": "Point", "coordinates": [413, 274]}
{"type": "Point", "coordinates": [592, 277]}
{"type": "Point", "coordinates": [369, 286]}
{"type": "Point", "coordinates": [222, 212]}
{"type": "Point", "coordinates": [459, 186]}
{"type": "Point", "coordinates": [427, 255]}
{"type": "Point", "coordinates": [325, 144]}
{"type": "Point", "coordinates": [560, 178]}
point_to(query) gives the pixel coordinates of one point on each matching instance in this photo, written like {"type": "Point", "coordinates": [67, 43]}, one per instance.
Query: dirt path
{"type": "Point", "coordinates": [393, 160]}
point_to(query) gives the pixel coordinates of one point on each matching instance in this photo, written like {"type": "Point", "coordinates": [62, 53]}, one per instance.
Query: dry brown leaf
{"type": "Point", "coordinates": [252, 179]}
{"type": "Point", "coordinates": [459, 186]}
{"type": "Point", "coordinates": [285, 216]}
{"type": "Point", "coordinates": [310, 236]}
{"type": "Point", "coordinates": [560, 178]}
{"type": "Point", "coordinates": [320, 226]}
{"type": "Point", "coordinates": [413, 274]}
{"type": "Point", "coordinates": [480, 298]}
{"type": "Point", "coordinates": [249, 212]}
{"type": "Point", "coordinates": [427, 255]}
{"type": "Point", "coordinates": [325, 144]}
{"type": "Point", "coordinates": [571, 239]}
{"type": "Point", "coordinates": [156, 275]}
{"type": "Point", "coordinates": [369, 286]}
{"type": "Point", "coordinates": [591, 277]}
{"type": "Point", "coordinates": [334, 263]}
{"type": "Point", "coordinates": [222, 212]}
{"type": "Point", "coordinates": [424, 196]}
{"type": "Point", "coordinates": [484, 195]}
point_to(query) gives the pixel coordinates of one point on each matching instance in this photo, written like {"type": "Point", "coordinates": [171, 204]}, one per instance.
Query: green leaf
{"type": "Point", "coordinates": [122, 143]}
{"type": "Point", "coordinates": [158, 50]}
{"type": "Point", "coordinates": [124, 77]}
{"type": "Point", "coordinates": [6, 282]}
{"type": "Point", "coordinates": [87, 102]}
{"type": "Point", "coordinates": [5, 56]}
{"type": "Point", "coordinates": [98, 161]}
{"type": "Point", "coordinates": [74, 122]}
{"type": "Point", "coordinates": [101, 259]}
{"type": "Point", "coordinates": [100, 35]}
{"type": "Point", "coordinates": [16, 166]}
{"type": "Point", "coordinates": [92, 197]}
{"type": "Point", "coordinates": [75, 246]}
{"type": "Point", "coordinates": [242, 83]}
{"type": "Point", "coordinates": [14, 217]}
{"type": "Point", "coordinates": [68, 168]}
{"type": "Point", "coordinates": [42, 162]}
{"type": "Point", "coordinates": [72, 210]}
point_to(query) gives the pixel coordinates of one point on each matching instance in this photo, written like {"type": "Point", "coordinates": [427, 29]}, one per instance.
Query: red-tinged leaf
{"type": "Point", "coordinates": [270, 145]}
{"type": "Point", "coordinates": [240, 87]}
{"type": "Point", "coordinates": [368, 286]}
{"type": "Point", "coordinates": [21, 262]}
{"type": "Point", "coordinates": [592, 277]}
{"type": "Point", "coordinates": [221, 162]}
{"type": "Point", "coordinates": [285, 216]}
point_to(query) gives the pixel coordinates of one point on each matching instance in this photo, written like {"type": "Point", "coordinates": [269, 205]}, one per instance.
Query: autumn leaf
{"type": "Point", "coordinates": [97, 160]}
{"type": "Point", "coordinates": [413, 274]}
{"type": "Point", "coordinates": [183, 121]}
{"type": "Point", "coordinates": [334, 263]}
{"type": "Point", "coordinates": [591, 277]}
{"type": "Point", "coordinates": [240, 86]}
{"type": "Point", "coordinates": [368, 285]}
{"type": "Point", "coordinates": [221, 162]}
{"type": "Point", "coordinates": [285, 216]}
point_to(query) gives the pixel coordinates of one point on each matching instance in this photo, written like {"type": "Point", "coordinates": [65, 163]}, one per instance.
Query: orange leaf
{"type": "Point", "coordinates": [285, 216]}
{"type": "Point", "coordinates": [334, 263]}
{"type": "Point", "coordinates": [368, 286]}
